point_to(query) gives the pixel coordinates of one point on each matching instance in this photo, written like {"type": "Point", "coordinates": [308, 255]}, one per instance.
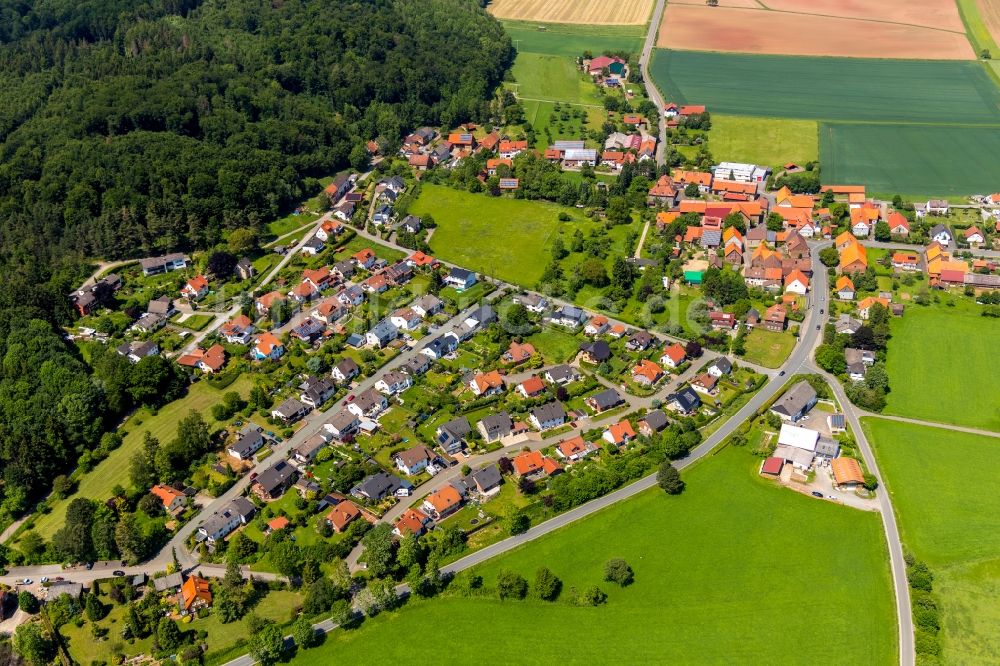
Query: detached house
{"type": "Point", "coordinates": [238, 330]}
{"type": "Point", "coordinates": [574, 449]}
{"type": "Point", "coordinates": [673, 356]}
{"type": "Point", "coordinates": [267, 346]}
{"type": "Point", "coordinates": [195, 288]}
{"type": "Point", "coordinates": [485, 384]}
{"type": "Point", "coordinates": [547, 416]}
{"type": "Point", "coordinates": [442, 503]}
{"type": "Point", "coordinates": [414, 460]}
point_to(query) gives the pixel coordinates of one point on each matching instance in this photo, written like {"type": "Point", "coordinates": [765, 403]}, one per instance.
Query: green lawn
{"type": "Point", "coordinates": [854, 89]}
{"type": "Point", "coordinates": [555, 344]}
{"type": "Point", "coordinates": [767, 348]}
{"type": "Point", "coordinates": [948, 384]}
{"type": "Point", "coordinates": [290, 223]}
{"type": "Point", "coordinates": [763, 140]}
{"type": "Point", "coordinates": [943, 491]}
{"type": "Point", "coordinates": [196, 322]}
{"type": "Point", "coordinates": [506, 238]}
{"type": "Point", "coordinates": [566, 123]}
{"type": "Point", "coordinates": [572, 40]}
{"type": "Point", "coordinates": [113, 470]}
{"type": "Point", "coordinates": [911, 159]}
{"type": "Point", "coordinates": [712, 586]}
{"type": "Point", "coordinates": [554, 78]}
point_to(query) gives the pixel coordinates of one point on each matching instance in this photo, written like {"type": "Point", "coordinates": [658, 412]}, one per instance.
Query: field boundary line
{"type": "Point", "coordinates": [559, 101]}
{"type": "Point", "coordinates": [935, 424]}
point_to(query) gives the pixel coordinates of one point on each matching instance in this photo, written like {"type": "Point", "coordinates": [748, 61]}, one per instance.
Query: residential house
{"type": "Point", "coordinates": [416, 366]}
{"type": "Point", "coordinates": [604, 400]}
{"type": "Point", "coordinates": [845, 288]}
{"type": "Point", "coordinates": [427, 305]}
{"type": "Point", "coordinates": [369, 404]}
{"type": "Point", "coordinates": [795, 403]}
{"type": "Point", "coordinates": [412, 522]}
{"type": "Point", "coordinates": [534, 464]}
{"type": "Point", "coordinates": [663, 192]}
{"type": "Point", "coordinates": [289, 411]}
{"type": "Point", "coordinates": [460, 279]}
{"type": "Point", "coordinates": [313, 246]}
{"type": "Point", "coordinates": [495, 426]}
{"type": "Point", "coordinates": [865, 305]}
{"type": "Point", "coordinates": [905, 260]}
{"type": "Point", "coordinates": [518, 352]}
{"type": "Point", "coordinates": [898, 224]}
{"type": "Point", "coordinates": [652, 423]}
{"type": "Point", "coordinates": [619, 434]}
{"type": "Point", "coordinates": [209, 360]}
{"type": "Point", "coordinates": [485, 384]}
{"type": "Point", "coordinates": [720, 366]}
{"type": "Point", "coordinates": [414, 460]}
{"type": "Point", "coordinates": [484, 482]}
{"type": "Point", "coordinates": [149, 322]}
{"type": "Point", "coordinates": [381, 485]}
{"type": "Point", "coordinates": [267, 346]}
{"type": "Point", "coordinates": [352, 296]}
{"type": "Point", "coordinates": [796, 283]}
{"type": "Point", "coordinates": [343, 424]}
{"type": "Point", "coordinates": [442, 503]}
{"type": "Point", "coordinates": [646, 373]}
{"type": "Point", "coordinates": [722, 321]}
{"type": "Point", "coordinates": [250, 441]}
{"type": "Point", "coordinates": [381, 334]}
{"type": "Point", "coordinates": [195, 288]}
{"type": "Point", "coordinates": [345, 370]}
{"type": "Point", "coordinates": [342, 514]}
{"type": "Point", "coordinates": [532, 302]}
{"type": "Point", "coordinates": [137, 350]}
{"type": "Point", "coordinates": [329, 229]}
{"type": "Point", "coordinates": [195, 593]}
{"type": "Point", "coordinates": [567, 316]}
{"type": "Point", "coordinates": [684, 401]}
{"type": "Point", "coordinates": [267, 301]}
{"type": "Point", "coordinates": [941, 234]}
{"type": "Point", "coordinates": [549, 415]}
{"type": "Point", "coordinates": [847, 324]}
{"type": "Point", "coordinates": [157, 265]}
{"type": "Point", "coordinates": [531, 387]}
{"type": "Point", "coordinates": [307, 451]}
{"type": "Point", "coordinates": [308, 330]}
{"type": "Point", "coordinates": [774, 318]}
{"type": "Point", "coordinates": [639, 341]}
{"type": "Point", "coordinates": [364, 259]}
{"type": "Point", "coordinates": [221, 524]}
{"type": "Point", "coordinates": [238, 330]}
{"type": "Point", "coordinates": [451, 436]}
{"type": "Point", "coordinates": [163, 306]}
{"type": "Point", "coordinates": [595, 352]}
{"type": "Point", "coordinates": [673, 356]}
{"type": "Point", "coordinates": [392, 383]}
{"type": "Point", "coordinates": [574, 449]}
{"type": "Point", "coordinates": [973, 236]}
{"type": "Point", "coordinates": [440, 347]}
{"type": "Point", "coordinates": [344, 270]}
{"type": "Point", "coordinates": [561, 375]}
{"type": "Point", "coordinates": [172, 499]}
{"type": "Point", "coordinates": [316, 392]}
{"type": "Point", "coordinates": [274, 481]}
{"type": "Point", "coordinates": [328, 311]}
{"type": "Point", "coordinates": [596, 326]}
{"type": "Point", "coordinates": [705, 383]}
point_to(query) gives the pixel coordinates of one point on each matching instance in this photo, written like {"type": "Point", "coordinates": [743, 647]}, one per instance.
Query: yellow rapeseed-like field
{"type": "Point", "coordinates": [590, 12]}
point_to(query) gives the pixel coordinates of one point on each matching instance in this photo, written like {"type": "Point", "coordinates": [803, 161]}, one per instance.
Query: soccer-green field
{"type": "Point", "coordinates": [912, 159]}
{"type": "Point", "coordinates": [943, 486]}
{"type": "Point", "coordinates": [942, 365]}
{"type": "Point", "coordinates": [771, 141]}
{"type": "Point", "coordinates": [554, 78]}
{"type": "Point", "coordinates": [854, 89]}
{"type": "Point", "coordinates": [572, 40]}
{"type": "Point", "coordinates": [735, 570]}
{"type": "Point", "coordinates": [503, 237]}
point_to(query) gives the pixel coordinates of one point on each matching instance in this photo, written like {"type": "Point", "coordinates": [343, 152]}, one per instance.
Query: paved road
{"type": "Point", "coordinates": [904, 619]}
{"type": "Point", "coordinates": [651, 90]}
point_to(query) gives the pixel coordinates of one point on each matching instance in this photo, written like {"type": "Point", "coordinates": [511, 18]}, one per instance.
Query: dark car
{"type": "Point", "coordinates": [816, 493]}
{"type": "Point", "coordinates": [817, 327]}
{"type": "Point", "coordinates": [118, 572]}
{"type": "Point", "coordinates": [90, 565]}
{"type": "Point", "coordinates": [781, 374]}
{"type": "Point", "coordinates": [821, 310]}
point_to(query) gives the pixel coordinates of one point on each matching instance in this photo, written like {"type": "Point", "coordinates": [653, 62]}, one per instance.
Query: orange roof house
{"type": "Point", "coordinates": [531, 387]}
{"type": "Point", "coordinates": [419, 259]}
{"type": "Point", "coordinates": [342, 515]}
{"type": "Point", "coordinates": [208, 360]}
{"type": "Point", "coordinates": [487, 382]}
{"type": "Point", "coordinates": [693, 234]}
{"type": "Point", "coordinates": [646, 372]}
{"type": "Point", "coordinates": [195, 592]}
{"type": "Point", "coordinates": [519, 352]}
{"type": "Point", "coordinates": [411, 522]}
{"type": "Point", "coordinates": [699, 178]}
{"type": "Point", "coordinates": [664, 187]}
{"type": "Point", "coordinates": [854, 258]}
{"type": "Point", "coordinates": [845, 283]}
{"type": "Point", "coordinates": [797, 282]}
{"type": "Point", "coordinates": [673, 355]}
{"type": "Point", "coordinates": [575, 448]}
{"type": "Point", "coordinates": [620, 433]}
{"type": "Point", "coordinates": [278, 523]}
{"type": "Point", "coordinates": [847, 471]}
{"type": "Point", "coordinates": [171, 498]}
{"type": "Point", "coordinates": [267, 301]}
{"type": "Point", "coordinates": [444, 502]}
{"type": "Point", "coordinates": [844, 239]}
{"type": "Point", "coordinates": [663, 218]}
{"type": "Point", "coordinates": [531, 462]}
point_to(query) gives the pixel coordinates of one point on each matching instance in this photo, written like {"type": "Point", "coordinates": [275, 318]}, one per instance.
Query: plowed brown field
{"type": "Point", "coordinates": [941, 14]}
{"type": "Point", "coordinates": [588, 12]}
{"type": "Point", "coordinates": [738, 30]}
{"type": "Point", "coordinates": [990, 11]}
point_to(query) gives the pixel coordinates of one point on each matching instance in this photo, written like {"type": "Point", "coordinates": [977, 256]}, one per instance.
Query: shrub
{"type": "Point", "coordinates": [511, 585]}
{"type": "Point", "coordinates": [594, 596]}
{"type": "Point", "coordinates": [617, 570]}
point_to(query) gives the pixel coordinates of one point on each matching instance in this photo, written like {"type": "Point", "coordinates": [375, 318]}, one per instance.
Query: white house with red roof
{"type": "Point", "coordinates": [195, 288]}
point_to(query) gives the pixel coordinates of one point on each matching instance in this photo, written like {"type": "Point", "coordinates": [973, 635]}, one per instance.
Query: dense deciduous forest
{"type": "Point", "coordinates": [133, 127]}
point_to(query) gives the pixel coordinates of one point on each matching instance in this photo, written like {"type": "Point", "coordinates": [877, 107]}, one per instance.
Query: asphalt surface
{"type": "Point", "coordinates": [651, 90]}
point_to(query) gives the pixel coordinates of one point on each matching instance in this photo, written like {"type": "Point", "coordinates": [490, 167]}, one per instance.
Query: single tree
{"type": "Point", "coordinates": [547, 585]}
{"type": "Point", "coordinates": [669, 478]}
{"type": "Point", "coordinates": [511, 585]}
{"type": "Point", "coordinates": [617, 570]}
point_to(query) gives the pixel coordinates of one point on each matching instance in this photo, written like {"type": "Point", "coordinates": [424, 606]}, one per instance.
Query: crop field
{"type": "Point", "coordinates": [943, 490]}
{"type": "Point", "coordinates": [759, 30]}
{"type": "Point", "coordinates": [911, 159]}
{"type": "Point", "coordinates": [711, 586]}
{"type": "Point", "coordinates": [599, 12]}
{"type": "Point", "coordinates": [772, 141]}
{"type": "Point", "coordinates": [113, 470]}
{"type": "Point", "coordinates": [941, 386]}
{"type": "Point", "coordinates": [573, 40]}
{"type": "Point", "coordinates": [479, 232]}
{"type": "Point", "coordinates": [829, 88]}
{"type": "Point", "coordinates": [552, 78]}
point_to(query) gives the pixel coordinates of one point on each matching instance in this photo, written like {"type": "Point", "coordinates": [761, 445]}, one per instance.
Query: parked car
{"type": "Point", "coordinates": [26, 581]}
{"type": "Point", "coordinates": [118, 572]}
{"type": "Point", "coordinates": [44, 579]}
{"type": "Point", "coordinates": [818, 494]}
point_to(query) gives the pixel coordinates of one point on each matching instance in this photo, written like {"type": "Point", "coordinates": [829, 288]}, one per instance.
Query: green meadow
{"type": "Point", "coordinates": [943, 491]}
{"type": "Point", "coordinates": [735, 570]}
{"type": "Point", "coordinates": [563, 39]}
{"type": "Point", "coordinates": [771, 141]}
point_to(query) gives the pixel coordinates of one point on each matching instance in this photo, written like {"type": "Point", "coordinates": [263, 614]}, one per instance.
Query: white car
{"type": "Point", "coordinates": [26, 581]}
{"type": "Point", "coordinates": [44, 579]}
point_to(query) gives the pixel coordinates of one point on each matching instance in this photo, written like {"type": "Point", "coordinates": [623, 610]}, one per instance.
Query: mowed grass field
{"type": "Point", "coordinates": [942, 366]}
{"type": "Point", "coordinates": [552, 78]}
{"type": "Point", "coordinates": [113, 470]}
{"type": "Point", "coordinates": [573, 40]}
{"type": "Point", "coordinates": [502, 237]}
{"type": "Point", "coordinates": [561, 124]}
{"type": "Point", "coordinates": [771, 141]}
{"type": "Point", "coordinates": [852, 89]}
{"type": "Point", "coordinates": [943, 486]}
{"type": "Point", "coordinates": [912, 159]}
{"type": "Point", "coordinates": [712, 586]}
{"type": "Point", "coordinates": [768, 348]}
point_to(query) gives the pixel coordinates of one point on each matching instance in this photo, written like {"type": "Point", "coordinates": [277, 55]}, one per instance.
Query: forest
{"type": "Point", "coordinates": [136, 127]}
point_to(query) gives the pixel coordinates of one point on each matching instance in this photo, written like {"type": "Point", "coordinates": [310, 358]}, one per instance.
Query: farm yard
{"type": "Point", "coordinates": [935, 386]}
{"type": "Point", "coordinates": [924, 160]}
{"type": "Point", "coordinates": [771, 141]}
{"type": "Point", "coordinates": [951, 521]}
{"type": "Point", "coordinates": [682, 593]}
{"type": "Point", "coordinates": [600, 12]}
{"type": "Point", "coordinates": [759, 30]}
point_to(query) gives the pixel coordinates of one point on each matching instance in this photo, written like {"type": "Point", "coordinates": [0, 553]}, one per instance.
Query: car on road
{"type": "Point", "coordinates": [27, 581]}
{"type": "Point", "coordinates": [821, 310]}
{"type": "Point", "coordinates": [818, 494]}
{"type": "Point", "coordinates": [253, 476]}
{"type": "Point", "coordinates": [43, 579]}
{"type": "Point", "coordinates": [117, 572]}
{"type": "Point", "coordinates": [781, 374]}
{"type": "Point", "coordinates": [817, 327]}
{"type": "Point", "coordinates": [350, 398]}
{"type": "Point", "coordinates": [90, 565]}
